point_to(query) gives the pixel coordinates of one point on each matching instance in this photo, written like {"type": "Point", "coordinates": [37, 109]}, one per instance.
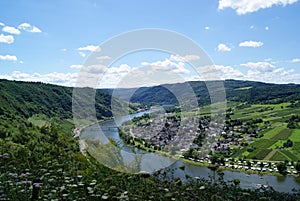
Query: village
{"type": "Point", "coordinates": [199, 141]}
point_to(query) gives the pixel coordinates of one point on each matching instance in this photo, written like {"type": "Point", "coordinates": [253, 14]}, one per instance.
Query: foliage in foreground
{"type": "Point", "coordinates": [50, 161]}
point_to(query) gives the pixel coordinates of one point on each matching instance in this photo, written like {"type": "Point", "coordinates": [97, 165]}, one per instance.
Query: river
{"type": "Point", "coordinates": [151, 162]}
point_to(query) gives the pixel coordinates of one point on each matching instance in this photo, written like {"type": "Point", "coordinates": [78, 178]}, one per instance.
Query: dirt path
{"type": "Point", "coordinates": [82, 146]}
{"type": "Point", "coordinates": [270, 155]}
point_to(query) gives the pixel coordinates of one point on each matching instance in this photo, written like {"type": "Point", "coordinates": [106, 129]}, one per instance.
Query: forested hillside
{"type": "Point", "coordinates": [41, 160]}
{"type": "Point", "coordinates": [28, 98]}
{"type": "Point", "coordinates": [240, 91]}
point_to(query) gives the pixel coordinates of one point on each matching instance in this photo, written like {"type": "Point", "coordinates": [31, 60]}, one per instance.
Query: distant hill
{"type": "Point", "coordinates": [241, 91]}
{"type": "Point", "coordinates": [28, 98]}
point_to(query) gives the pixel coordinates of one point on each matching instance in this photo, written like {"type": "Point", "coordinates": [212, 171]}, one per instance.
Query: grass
{"type": "Point", "coordinates": [296, 146]}
{"type": "Point", "coordinates": [270, 134]}
{"type": "Point", "coordinates": [38, 120]}
{"type": "Point", "coordinates": [279, 120]}
{"type": "Point", "coordinates": [290, 155]}
{"type": "Point", "coordinates": [274, 136]}
{"type": "Point", "coordinates": [259, 154]}
{"type": "Point", "coordinates": [284, 134]}
{"type": "Point", "coordinates": [278, 143]}
{"type": "Point", "coordinates": [263, 153]}
{"type": "Point", "coordinates": [270, 154]}
{"type": "Point", "coordinates": [243, 88]}
{"type": "Point", "coordinates": [296, 149]}
{"type": "Point", "coordinates": [239, 152]}
{"type": "Point", "coordinates": [278, 156]}
{"type": "Point", "coordinates": [265, 111]}
{"type": "Point", "coordinates": [295, 137]}
{"type": "Point", "coordinates": [262, 143]}
{"type": "Point", "coordinates": [208, 109]}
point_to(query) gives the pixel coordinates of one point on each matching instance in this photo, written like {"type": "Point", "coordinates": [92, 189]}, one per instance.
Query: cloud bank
{"type": "Point", "coordinates": [248, 6]}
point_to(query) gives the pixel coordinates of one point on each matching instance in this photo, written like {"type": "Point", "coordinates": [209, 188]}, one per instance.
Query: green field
{"type": "Point", "coordinates": [270, 134]}
{"type": "Point", "coordinates": [262, 143]}
{"type": "Point", "coordinates": [289, 155]}
{"type": "Point", "coordinates": [274, 134]}
{"type": "Point", "coordinates": [296, 146]}
{"type": "Point", "coordinates": [284, 134]}
{"type": "Point", "coordinates": [295, 137]}
{"type": "Point", "coordinates": [259, 154]}
{"type": "Point", "coordinates": [278, 156]}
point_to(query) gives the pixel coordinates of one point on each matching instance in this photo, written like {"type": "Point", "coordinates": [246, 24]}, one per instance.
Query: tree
{"type": "Point", "coordinates": [298, 166]}
{"type": "Point", "coordinates": [282, 168]}
{"type": "Point", "coordinates": [291, 125]}
{"type": "Point", "coordinates": [236, 181]}
{"type": "Point", "coordinates": [214, 159]}
{"type": "Point", "coordinates": [288, 143]}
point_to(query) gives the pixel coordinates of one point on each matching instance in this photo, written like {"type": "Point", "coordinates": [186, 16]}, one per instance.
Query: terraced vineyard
{"type": "Point", "coordinates": [272, 132]}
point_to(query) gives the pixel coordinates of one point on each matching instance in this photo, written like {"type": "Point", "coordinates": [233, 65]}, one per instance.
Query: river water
{"type": "Point", "coordinates": [154, 162]}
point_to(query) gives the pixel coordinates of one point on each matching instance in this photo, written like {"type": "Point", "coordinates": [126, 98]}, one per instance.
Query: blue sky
{"type": "Point", "coordinates": [49, 41]}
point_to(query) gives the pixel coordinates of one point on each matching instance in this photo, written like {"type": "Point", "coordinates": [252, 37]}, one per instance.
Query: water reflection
{"type": "Point", "coordinates": [129, 159]}
{"type": "Point", "coordinates": [104, 144]}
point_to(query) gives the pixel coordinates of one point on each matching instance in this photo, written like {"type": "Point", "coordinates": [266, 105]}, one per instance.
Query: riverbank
{"type": "Point", "coordinates": [194, 169]}
{"type": "Point", "coordinates": [256, 167]}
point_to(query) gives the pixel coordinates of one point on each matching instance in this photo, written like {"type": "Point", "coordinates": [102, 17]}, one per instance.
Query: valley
{"type": "Point", "coordinates": [255, 138]}
{"type": "Point", "coordinates": [39, 151]}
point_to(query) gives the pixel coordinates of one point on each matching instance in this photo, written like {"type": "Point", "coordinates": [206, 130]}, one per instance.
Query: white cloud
{"type": "Point", "coordinates": [207, 28]}
{"type": "Point", "coordinates": [91, 48]}
{"type": "Point", "coordinates": [248, 6]}
{"type": "Point", "coordinates": [96, 69]}
{"type": "Point", "coordinates": [216, 72]}
{"type": "Point", "coordinates": [76, 66]}
{"type": "Point", "coordinates": [167, 65]}
{"type": "Point", "coordinates": [65, 79]}
{"type": "Point", "coordinates": [268, 59]}
{"type": "Point", "coordinates": [63, 49]}
{"type": "Point", "coordinates": [223, 48]}
{"type": "Point", "coordinates": [6, 39]}
{"type": "Point", "coordinates": [267, 72]}
{"type": "Point", "coordinates": [274, 75]}
{"type": "Point", "coordinates": [121, 70]}
{"type": "Point", "coordinates": [296, 60]}
{"type": "Point", "coordinates": [185, 58]}
{"type": "Point", "coordinates": [261, 67]}
{"type": "Point", "coordinates": [2, 24]}
{"type": "Point", "coordinates": [82, 54]}
{"type": "Point", "coordinates": [28, 27]}
{"type": "Point", "coordinates": [147, 74]}
{"type": "Point", "coordinates": [228, 72]}
{"type": "Point", "coordinates": [252, 27]}
{"type": "Point", "coordinates": [267, 28]}
{"type": "Point", "coordinates": [257, 71]}
{"type": "Point", "coordinates": [126, 76]}
{"type": "Point", "coordinates": [251, 43]}
{"type": "Point", "coordinates": [102, 76]}
{"type": "Point", "coordinates": [8, 57]}
{"type": "Point", "coordinates": [104, 58]}
{"type": "Point", "coordinates": [11, 30]}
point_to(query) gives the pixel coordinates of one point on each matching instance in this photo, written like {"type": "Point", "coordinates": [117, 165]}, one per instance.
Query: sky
{"type": "Point", "coordinates": [52, 41]}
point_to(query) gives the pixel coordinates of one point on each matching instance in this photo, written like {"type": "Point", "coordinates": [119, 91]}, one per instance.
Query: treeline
{"type": "Point", "coordinates": [240, 91]}
{"type": "Point", "coordinates": [28, 98]}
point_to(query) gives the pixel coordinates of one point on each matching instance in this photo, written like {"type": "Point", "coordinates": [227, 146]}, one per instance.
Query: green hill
{"type": "Point", "coordinates": [41, 160]}
{"type": "Point", "coordinates": [239, 91]}
{"type": "Point", "coordinates": [28, 98]}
